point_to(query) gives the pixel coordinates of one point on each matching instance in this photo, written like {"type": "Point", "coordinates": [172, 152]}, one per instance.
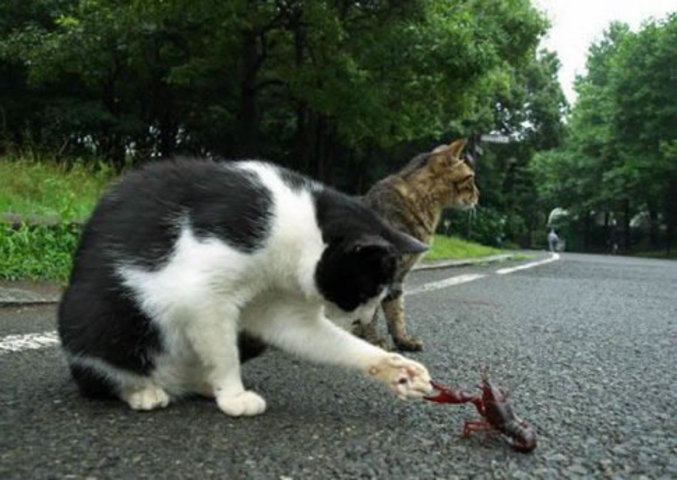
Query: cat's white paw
{"type": "Point", "coordinates": [406, 378]}
{"type": "Point", "coordinates": [246, 403]}
{"type": "Point", "coordinates": [149, 398]}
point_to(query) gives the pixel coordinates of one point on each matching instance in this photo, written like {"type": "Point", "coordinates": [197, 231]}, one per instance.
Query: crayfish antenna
{"type": "Point", "coordinates": [484, 371]}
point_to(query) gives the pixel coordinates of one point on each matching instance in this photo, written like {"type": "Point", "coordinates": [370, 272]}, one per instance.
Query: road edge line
{"type": "Point", "coordinates": [553, 258]}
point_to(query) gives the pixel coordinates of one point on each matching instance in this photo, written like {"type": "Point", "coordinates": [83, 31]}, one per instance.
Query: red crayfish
{"type": "Point", "coordinates": [497, 414]}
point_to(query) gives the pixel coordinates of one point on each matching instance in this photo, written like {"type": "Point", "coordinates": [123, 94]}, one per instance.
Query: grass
{"type": "Point", "coordinates": [37, 252]}
{"type": "Point", "coordinates": [453, 248]}
{"type": "Point", "coordinates": [29, 187]}
{"type": "Point", "coordinates": [32, 252]}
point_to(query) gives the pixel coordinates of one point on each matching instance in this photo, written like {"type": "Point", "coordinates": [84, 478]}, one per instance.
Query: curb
{"type": "Point", "coordinates": [12, 297]}
{"type": "Point", "coordinates": [463, 263]}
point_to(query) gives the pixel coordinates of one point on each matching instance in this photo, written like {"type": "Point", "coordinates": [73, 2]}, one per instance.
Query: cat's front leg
{"type": "Point", "coordinates": [308, 333]}
{"type": "Point", "coordinates": [213, 335]}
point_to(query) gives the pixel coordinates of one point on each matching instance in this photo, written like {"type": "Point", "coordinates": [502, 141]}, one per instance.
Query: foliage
{"type": "Point", "coordinates": [69, 192]}
{"type": "Point", "coordinates": [343, 91]}
{"type": "Point", "coordinates": [37, 252]}
{"type": "Point", "coordinates": [310, 84]}
{"type": "Point", "coordinates": [618, 158]}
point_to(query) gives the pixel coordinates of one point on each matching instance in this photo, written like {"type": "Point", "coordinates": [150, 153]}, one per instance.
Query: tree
{"type": "Point", "coordinates": [617, 157]}
{"type": "Point", "coordinates": [645, 115]}
{"type": "Point", "coordinates": [314, 85]}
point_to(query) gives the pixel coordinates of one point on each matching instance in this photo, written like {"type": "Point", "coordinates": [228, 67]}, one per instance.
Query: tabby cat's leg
{"type": "Point", "coordinates": [369, 332]}
{"type": "Point", "coordinates": [393, 307]}
{"type": "Point", "coordinates": [213, 335]}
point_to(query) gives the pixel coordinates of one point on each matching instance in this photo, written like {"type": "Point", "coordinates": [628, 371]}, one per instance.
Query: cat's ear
{"type": "Point", "coordinates": [368, 244]}
{"type": "Point", "coordinates": [445, 154]}
{"type": "Point", "coordinates": [390, 241]}
{"type": "Point", "coordinates": [404, 243]}
{"type": "Point", "coordinates": [456, 147]}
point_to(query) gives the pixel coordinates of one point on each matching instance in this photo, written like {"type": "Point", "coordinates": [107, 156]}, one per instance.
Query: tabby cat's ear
{"type": "Point", "coordinates": [451, 151]}
{"type": "Point", "coordinates": [456, 147]}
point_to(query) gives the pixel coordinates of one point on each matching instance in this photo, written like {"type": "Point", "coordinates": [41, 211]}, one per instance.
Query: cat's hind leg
{"type": "Point", "coordinates": [98, 379]}
{"type": "Point", "coordinates": [92, 384]}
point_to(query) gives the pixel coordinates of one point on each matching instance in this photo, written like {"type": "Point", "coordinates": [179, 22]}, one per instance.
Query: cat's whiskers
{"type": "Point", "coordinates": [472, 213]}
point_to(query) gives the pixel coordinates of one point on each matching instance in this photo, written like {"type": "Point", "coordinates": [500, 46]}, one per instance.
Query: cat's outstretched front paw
{"type": "Point", "coordinates": [246, 403]}
{"type": "Point", "coordinates": [406, 378]}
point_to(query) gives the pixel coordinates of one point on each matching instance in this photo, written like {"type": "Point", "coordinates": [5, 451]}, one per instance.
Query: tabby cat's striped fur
{"type": "Point", "coordinates": [412, 200]}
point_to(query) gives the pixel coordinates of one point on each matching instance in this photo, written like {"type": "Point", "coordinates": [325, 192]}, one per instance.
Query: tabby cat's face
{"type": "Point", "coordinates": [455, 176]}
{"type": "Point", "coordinates": [464, 193]}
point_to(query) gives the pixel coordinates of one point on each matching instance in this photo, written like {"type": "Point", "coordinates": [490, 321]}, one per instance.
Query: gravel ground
{"type": "Point", "coordinates": [587, 346]}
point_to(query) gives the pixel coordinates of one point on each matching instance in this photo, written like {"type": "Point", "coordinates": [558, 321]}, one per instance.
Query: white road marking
{"type": "Point", "coordinates": [29, 341]}
{"type": "Point", "coordinates": [35, 341]}
{"type": "Point", "coordinates": [503, 271]}
{"type": "Point", "coordinates": [447, 282]}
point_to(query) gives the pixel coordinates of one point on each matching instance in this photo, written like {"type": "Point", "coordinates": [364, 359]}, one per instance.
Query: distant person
{"type": "Point", "coordinates": [553, 240]}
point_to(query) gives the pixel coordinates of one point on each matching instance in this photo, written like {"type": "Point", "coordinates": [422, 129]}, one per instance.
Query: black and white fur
{"type": "Point", "coordinates": [180, 257]}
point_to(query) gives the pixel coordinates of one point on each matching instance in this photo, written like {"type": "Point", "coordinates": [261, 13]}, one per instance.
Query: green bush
{"type": "Point", "coordinates": [486, 225]}
{"type": "Point", "coordinates": [37, 252]}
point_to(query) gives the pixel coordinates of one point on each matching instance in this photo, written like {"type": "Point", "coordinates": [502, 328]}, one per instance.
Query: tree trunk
{"type": "Point", "coordinates": [300, 140]}
{"type": "Point", "coordinates": [319, 150]}
{"type": "Point", "coordinates": [670, 213]}
{"type": "Point", "coordinates": [248, 117]}
{"type": "Point", "coordinates": [168, 132]}
{"type": "Point", "coordinates": [626, 226]}
{"type": "Point", "coordinates": [113, 149]}
{"type": "Point", "coordinates": [330, 151]}
{"type": "Point", "coordinates": [586, 231]}
{"type": "Point", "coordinates": [653, 227]}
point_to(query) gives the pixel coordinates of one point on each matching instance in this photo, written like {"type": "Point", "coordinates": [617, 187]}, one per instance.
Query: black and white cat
{"type": "Point", "coordinates": [180, 257]}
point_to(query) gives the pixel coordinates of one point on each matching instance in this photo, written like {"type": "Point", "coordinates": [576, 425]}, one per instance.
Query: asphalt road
{"type": "Point", "coordinates": [587, 344]}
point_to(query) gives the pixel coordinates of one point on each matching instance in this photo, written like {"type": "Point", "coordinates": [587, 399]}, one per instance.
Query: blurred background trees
{"type": "Point", "coordinates": [347, 92]}
{"type": "Point", "coordinates": [616, 173]}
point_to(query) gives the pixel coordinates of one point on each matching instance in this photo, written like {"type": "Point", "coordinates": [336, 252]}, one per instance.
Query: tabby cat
{"type": "Point", "coordinates": [412, 201]}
